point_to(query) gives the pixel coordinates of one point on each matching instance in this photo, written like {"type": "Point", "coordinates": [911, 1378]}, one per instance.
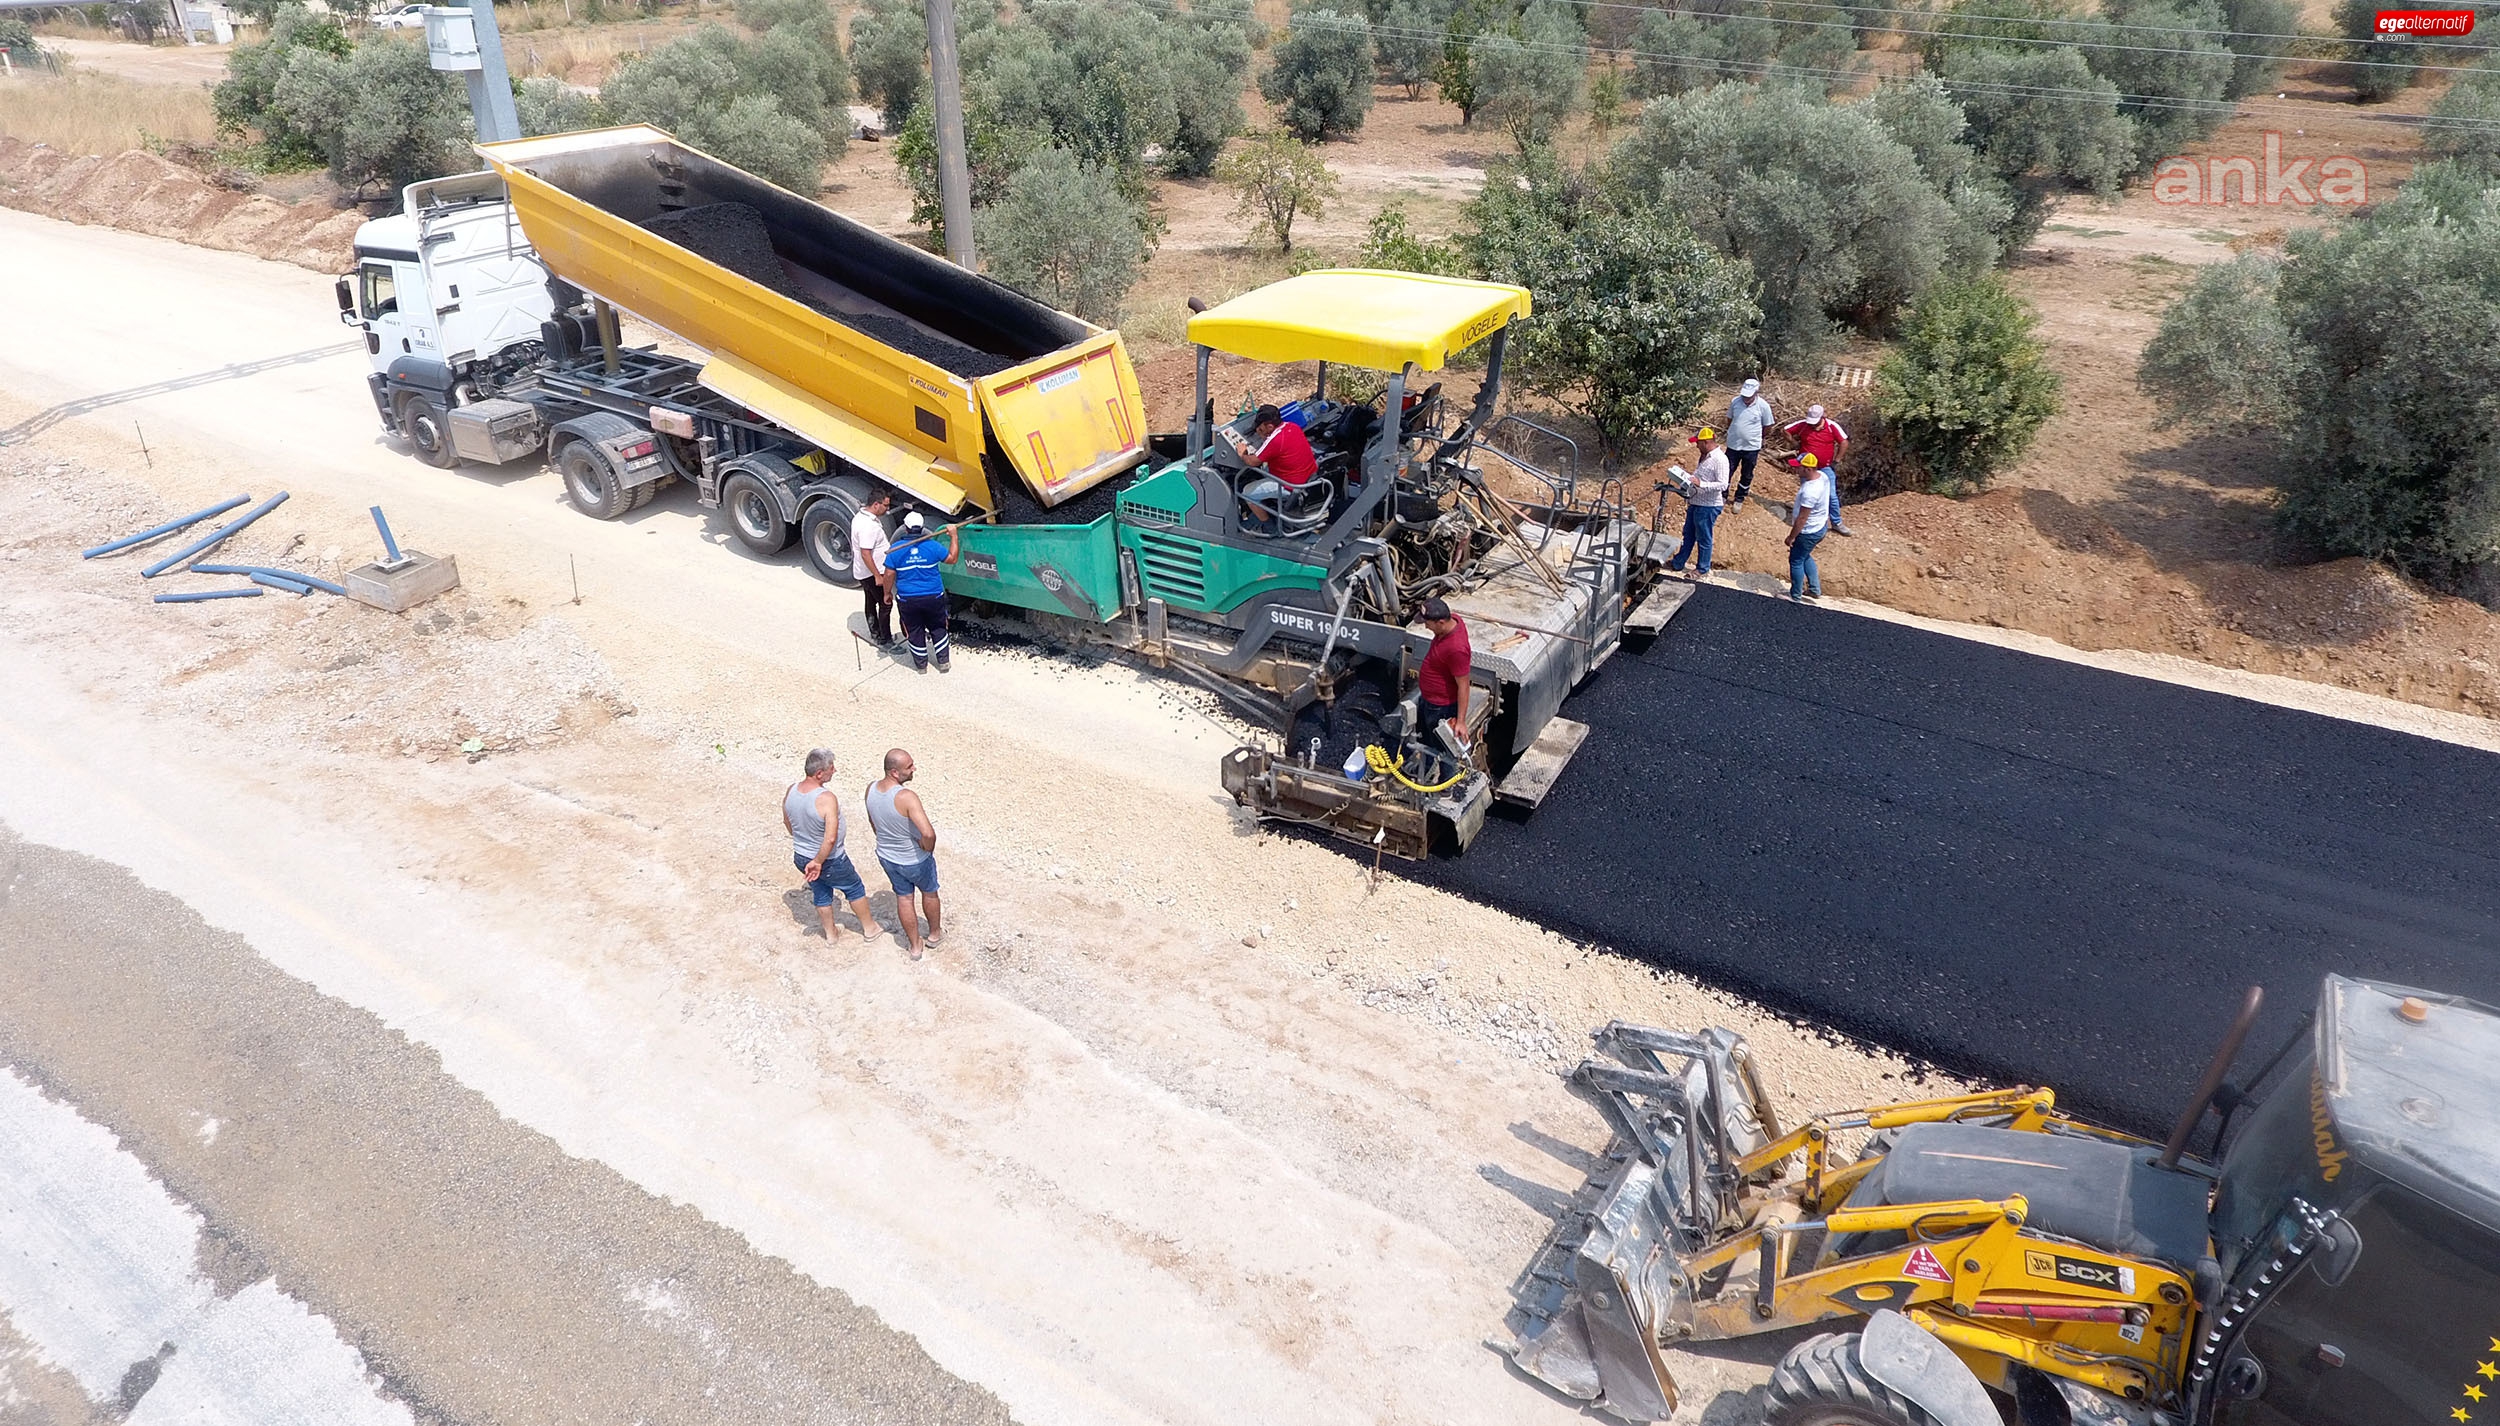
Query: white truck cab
{"type": "Point", "coordinates": [441, 287]}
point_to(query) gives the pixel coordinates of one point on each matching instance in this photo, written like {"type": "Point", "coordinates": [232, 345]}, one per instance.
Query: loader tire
{"type": "Point", "coordinates": [590, 484]}
{"type": "Point", "coordinates": [1822, 1383]}
{"type": "Point", "coordinates": [427, 428]}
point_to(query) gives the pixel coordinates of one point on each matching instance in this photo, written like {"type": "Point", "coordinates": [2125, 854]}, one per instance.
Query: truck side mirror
{"type": "Point", "coordinates": [347, 296]}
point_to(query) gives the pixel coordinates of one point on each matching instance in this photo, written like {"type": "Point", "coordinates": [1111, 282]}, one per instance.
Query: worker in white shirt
{"type": "Point", "coordinates": [876, 582]}
{"type": "Point", "coordinates": [1748, 419]}
{"type": "Point", "coordinates": [1703, 500]}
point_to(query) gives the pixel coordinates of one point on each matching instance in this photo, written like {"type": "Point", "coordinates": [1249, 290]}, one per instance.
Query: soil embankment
{"type": "Point", "coordinates": [143, 193]}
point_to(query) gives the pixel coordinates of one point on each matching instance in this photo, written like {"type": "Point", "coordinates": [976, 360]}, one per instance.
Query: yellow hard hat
{"type": "Point", "coordinates": [1704, 434]}
{"type": "Point", "coordinates": [1808, 462]}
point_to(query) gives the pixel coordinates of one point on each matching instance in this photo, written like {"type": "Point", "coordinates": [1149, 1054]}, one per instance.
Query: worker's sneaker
{"type": "Point", "coordinates": [946, 665]}
{"type": "Point", "coordinates": [1841, 529]}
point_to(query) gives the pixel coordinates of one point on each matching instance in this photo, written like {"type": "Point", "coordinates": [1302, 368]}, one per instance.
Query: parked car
{"type": "Point", "coordinates": [404, 17]}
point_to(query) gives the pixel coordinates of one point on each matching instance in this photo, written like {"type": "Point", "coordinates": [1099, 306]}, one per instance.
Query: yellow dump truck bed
{"type": "Point", "coordinates": [831, 329]}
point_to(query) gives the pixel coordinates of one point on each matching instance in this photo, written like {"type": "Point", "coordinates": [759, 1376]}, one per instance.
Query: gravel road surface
{"type": "Point", "coordinates": [483, 1275]}
{"type": "Point", "coordinates": [2014, 867]}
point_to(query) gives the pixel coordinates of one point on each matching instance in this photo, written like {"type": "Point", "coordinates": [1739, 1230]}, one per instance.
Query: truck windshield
{"type": "Point", "coordinates": [381, 294]}
{"type": "Point", "coordinates": [2287, 1148]}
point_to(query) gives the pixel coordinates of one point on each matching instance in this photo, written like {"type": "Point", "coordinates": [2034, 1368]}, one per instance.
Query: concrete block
{"type": "Point", "coordinates": [397, 588]}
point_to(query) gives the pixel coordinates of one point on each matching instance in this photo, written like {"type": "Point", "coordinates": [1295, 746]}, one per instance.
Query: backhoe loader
{"type": "Point", "coordinates": [2335, 1262]}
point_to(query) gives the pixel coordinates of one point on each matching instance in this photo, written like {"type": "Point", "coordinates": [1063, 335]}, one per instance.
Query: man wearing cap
{"type": "Point", "coordinates": [1441, 688]}
{"type": "Point", "coordinates": [1823, 440]}
{"type": "Point", "coordinates": [1748, 417]}
{"type": "Point", "coordinates": [1702, 503]}
{"type": "Point", "coordinates": [876, 584]}
{"type": "Point", "coordinates": [920, 590]}
{"type": "Point", "coordinates": [1278, 447]}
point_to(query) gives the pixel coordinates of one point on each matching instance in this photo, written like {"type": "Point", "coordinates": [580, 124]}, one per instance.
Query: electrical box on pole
{"type": "Point", "coordinates": [463, 39]}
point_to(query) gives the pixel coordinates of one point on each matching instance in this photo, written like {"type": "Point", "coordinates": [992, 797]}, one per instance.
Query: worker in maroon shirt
{"type": "Point", "coordinates": [1441, 692]}
{"type": "Point", "coordinates": [1278, 447]}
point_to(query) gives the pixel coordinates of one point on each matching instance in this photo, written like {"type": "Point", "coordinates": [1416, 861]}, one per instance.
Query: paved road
{"type": "Point", "coordinates": [482, 1275]}
{"type": "Point", "coordinates": [2008, 865]}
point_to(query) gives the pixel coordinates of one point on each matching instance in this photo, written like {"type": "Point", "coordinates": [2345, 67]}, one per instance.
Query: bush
{"type": "Point", "coordinates": [1209, 57]}
{"type": "Point", "coordinates": [1409, 46]}
{"type": "Point", "coordinates": [1633, 310]}
{"type": "Point", "coordinates": [1969, 387]}
{"type": "Point", "coordinates": [244, 99]}
{"type": "Point", "coordinates": [1839, 218]}
{"type": "Point", "coordinates": [1389, 244]}
{"type": "Point", "coordinates": [1279, 178]}
{"type": "Point", "coordinates": [2260, 59]}
{"type": "Point", "coordinates": [2367, 346]}
{"type": "Point", "coordinates": [1680, 52]}
{"type": "Point", "coordinates": [890, 58]}
{"type": "Point", "coordinates": [2382, 69]}
{"type": "Point", "coordinates": [1530, 84]}
{"type": "Point", "coordinates": [2464, 126]}
{"type": "Point", "coordinates": [380, 117]}
{"type": "Point", "coordinates": [1320, 79]}
{"type": "Point", "coordinates": [550, 106]}
{"type": "Point", "coordinates": [1064, 233]}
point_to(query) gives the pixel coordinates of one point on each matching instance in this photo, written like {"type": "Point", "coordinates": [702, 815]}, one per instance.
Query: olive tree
{"type": "Point", "coordinates": [551, 106]}
{"type": "Point", "coordinates": [1530, 83]}
{"type": "Point", "coordinates": [1279, 178]}
{"type": "Point", "coordinates": [2464, 125]}
{"type": "Point", "coordinates": [1065, 233]}
{"type": "Point", "coordinates": [1409, 46]}
{"type": "Point", "coordinates": [2347, 351]}
{"type": "Point", "coordinates": [765, 103]}
{"type": "Point", "coordinates": [246, 97]}
{"type": "Point", "coordinates": [381, 117]}
{"type": "Point", "coordinates": [1839, 218]}
{"type": "Point", "coordinates": [1634, 311]}
{"type": "Point", "coordinates": [1320, 78]}
{"type": "Point", "coordinates": [890, 57]}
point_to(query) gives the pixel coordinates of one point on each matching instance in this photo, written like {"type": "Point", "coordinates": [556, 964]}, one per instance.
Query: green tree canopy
{"type": "Point", "coordinates": [1066, 234]}
{"type": "Point", "coordinates": [380, 117]}
{"type": "Point", "coordinates": [1320, 78]}
{"type": "Point", "coordinates": [1968, 387]}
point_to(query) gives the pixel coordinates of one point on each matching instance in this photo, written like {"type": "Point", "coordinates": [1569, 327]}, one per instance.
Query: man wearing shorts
{"type": "Point", "coordinates": [906, 848]}
{"type": "Point", "coordinates": [813, 816]}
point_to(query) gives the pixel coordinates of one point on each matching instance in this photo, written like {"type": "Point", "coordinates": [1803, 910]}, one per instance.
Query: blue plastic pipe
{"type": "Point", "coordinates": [141, 538]}
{"type": "Point", "coordinates": [389, 544]}
{"type": "Point", "coordinates": [213, 538]}
{"type": "Point", "coordinates": [280, 581]}
{"type": "Point", "coordinates": [247, 570]}
{"type": "Point", "coordinates": [194, 596]}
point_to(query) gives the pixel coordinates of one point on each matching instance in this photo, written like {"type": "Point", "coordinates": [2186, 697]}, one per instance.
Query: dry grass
{"type": "Point", "coordinates": [539, 42]}
{"type": "Point", "coordinates": [1157, 309]}
{"type": "Point", "coordinates": [98, 114]}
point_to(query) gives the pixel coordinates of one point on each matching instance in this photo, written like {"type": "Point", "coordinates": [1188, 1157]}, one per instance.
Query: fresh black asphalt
{"type": "Point", "coordinates": [2009, 866]}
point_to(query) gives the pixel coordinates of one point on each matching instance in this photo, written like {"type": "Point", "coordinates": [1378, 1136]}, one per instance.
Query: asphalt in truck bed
{"type": "Point", "coordinates": [2009, 866]}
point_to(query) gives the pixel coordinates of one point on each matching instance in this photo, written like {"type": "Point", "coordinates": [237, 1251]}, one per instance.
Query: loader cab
{"type": "Point", "coordinates": [2390, 1123]}
{"type": "Point", "coordinates": [1404, 326]}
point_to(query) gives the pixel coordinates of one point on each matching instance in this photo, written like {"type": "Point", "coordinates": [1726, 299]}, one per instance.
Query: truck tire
{"type": "Point", "coordinates": [754, 515]}
{"type": "Point", "coordinates": [426, 426]}
{"type": "Point", "coordinates": [1822, 1383]}
{"type": "Point", "coordinates": [825, 534]}
{"type": "Point", "coordinates": [590, 483]}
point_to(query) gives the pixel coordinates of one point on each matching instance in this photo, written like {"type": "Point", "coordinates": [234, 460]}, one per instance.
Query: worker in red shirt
{"type": "Point", "coordinates": [1824, 439]}
{"type": "Point", "coordinates": [1278, 447]}
{"type": "Point", "coordinates": [1441, 691]}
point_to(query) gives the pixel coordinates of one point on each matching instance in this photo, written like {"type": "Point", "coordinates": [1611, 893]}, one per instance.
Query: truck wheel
{"type": "Point", "coordinates": [590, 484]}
{"type": "Point", "coordinates": [825, 534]}
{"type": "Point", "coordinates": [754, 515]}
{"type": "Point", "coordinates": [426, 425]}
{"type": "Point", "coordinates": [1822, 1383]}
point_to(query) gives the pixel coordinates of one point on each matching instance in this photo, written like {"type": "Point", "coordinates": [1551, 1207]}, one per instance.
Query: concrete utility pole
{"type": "Point", "coordinates": [467, 41]}
{"type": "Point", "coordinates": [946, 87]}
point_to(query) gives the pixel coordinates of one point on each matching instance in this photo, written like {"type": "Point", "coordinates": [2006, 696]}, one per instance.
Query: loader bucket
{"type": "Point", "coordinates": [1609, 1287]}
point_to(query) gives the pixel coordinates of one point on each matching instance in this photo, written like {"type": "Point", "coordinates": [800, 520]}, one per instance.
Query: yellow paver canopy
{"type": "Point", "coordinates": [1359, 317]}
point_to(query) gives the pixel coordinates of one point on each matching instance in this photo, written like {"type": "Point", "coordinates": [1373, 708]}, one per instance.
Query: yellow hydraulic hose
{"type": "Point", "coordinates": [1386, 766]}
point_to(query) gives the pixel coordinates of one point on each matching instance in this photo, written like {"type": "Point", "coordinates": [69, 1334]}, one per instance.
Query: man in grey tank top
{"type": "Point", "coordinates": [906, 848]}
{"type": "Point", "coordinates": [813, 816]}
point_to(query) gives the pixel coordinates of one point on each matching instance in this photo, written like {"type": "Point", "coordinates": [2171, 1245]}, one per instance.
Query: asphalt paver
{"type": "Point", "coordinates": [2010, 866]}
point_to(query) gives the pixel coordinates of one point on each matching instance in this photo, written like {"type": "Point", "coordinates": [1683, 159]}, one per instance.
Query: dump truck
{"type": "Point", "coordinates": [2334, 1261]}
{"type": "Point", "coordinates": [1299, 606]}
{"type": "Point", "coordinates": [825, 360]}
